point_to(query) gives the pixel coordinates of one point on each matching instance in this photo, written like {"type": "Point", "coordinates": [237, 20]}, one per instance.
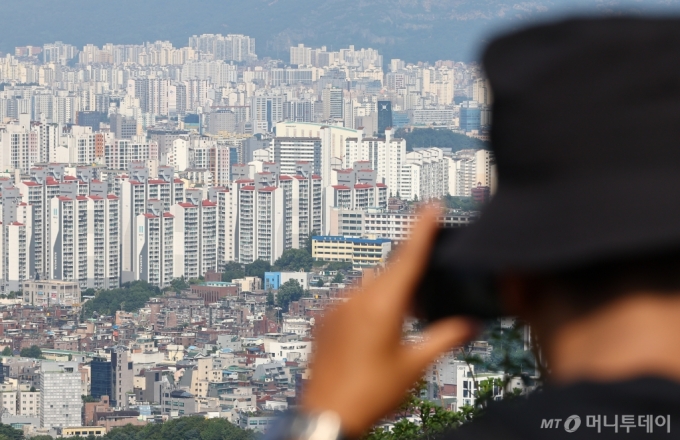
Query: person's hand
{"type": "Point", "coordinates": [361, 370]}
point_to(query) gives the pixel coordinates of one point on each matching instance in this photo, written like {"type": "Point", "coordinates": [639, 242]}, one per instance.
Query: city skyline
{"type": "Point", "coordinates": [176, 219]}
{"type": "Point", "coordinates": [429, 30]}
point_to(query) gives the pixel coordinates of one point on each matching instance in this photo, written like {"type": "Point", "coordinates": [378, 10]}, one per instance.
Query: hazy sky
{"type": "Point", "coordinates": [409, 29]}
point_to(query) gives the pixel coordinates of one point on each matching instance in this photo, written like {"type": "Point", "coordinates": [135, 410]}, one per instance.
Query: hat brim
{"type": "Point", "coordinates": [562, 224]}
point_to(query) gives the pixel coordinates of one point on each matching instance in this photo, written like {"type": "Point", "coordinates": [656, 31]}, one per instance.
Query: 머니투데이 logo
{"type": "Point", "coordinates": [572, 423]}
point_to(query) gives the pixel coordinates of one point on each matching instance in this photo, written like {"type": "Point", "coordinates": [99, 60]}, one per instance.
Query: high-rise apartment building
{"type": "Point", "coordinates": [226, 222]}
{"type": "Point", "coordinates": [19, 146]}
{"type": "Point", "coordinates": [301, 55]}
{"type": "Point", "coordinates": [136, 190]}
{"type": "Point", "coordinates": [58, 52]}
{"type": "Point", "coordinates": [121, 152]}
{"type": "Point", "coordinates": [481, 91]}
{"type": "Point", "coordinates": [333, 103]}
{"type": "Point", "coordinates": [60, 389]}
{"type": "Point", "coordinates": [289, 151]}
{"type": "Point", "coordinates": [232, 47]}
{"type": "Point", "coordinates": [469, 169]}
{"type": "Point", "coordinates": [153, 252]}
{"type": "Point", "coordinates": [425, 175]}
{"type": "Point", "coordinates": [272, 212]}
{"type": "Point", "coordinates": [266, 111]}
{"type": "Point", "coordinates": [153, 94]}
{"type": "Point", "coordinates": [298, 110]}
{"type": "Point", "coordinates": [195, 236]}
{"type": "Point", "coordinates": [123, 127]}
{"type": "Point", "coordinates": [16, 260]}
{"type": "Point", "coordinates": [384, 155]}
{"type": "Point", "coordinates": [84, 240]}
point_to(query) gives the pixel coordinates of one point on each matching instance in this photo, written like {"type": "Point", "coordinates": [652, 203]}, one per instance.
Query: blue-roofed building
{"type": "Point", "coordinates": [361, 252]}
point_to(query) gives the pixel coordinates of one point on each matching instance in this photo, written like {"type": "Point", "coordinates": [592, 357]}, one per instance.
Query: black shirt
{"type": "Point", "coordinates": [636, 409]}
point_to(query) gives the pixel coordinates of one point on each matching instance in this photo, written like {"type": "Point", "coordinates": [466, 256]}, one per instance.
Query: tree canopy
{"type": "Point", "coordinates": [339, 265]}
{"type": "Point", "coordinates": [184, 428]}
{"type": "Point", "coordinates": [179, 284]}
{"type": "Point", "coordinates": [233, 271]}
{"type": "Point", "coordinates": [7, 432]}
{"type": "Point", "coordinates": [257, 269]}
{"type": "Point", "coordinates": [289, 291]}
{"type": "Point", "coordinates": [439, 137]}
{"type": "Point", "coordinates": [33, 352]}
{"type": "Point", "coordinates": [309, 241]}
{"type": "Point", "coordinates": [462, 203]}
{"type": "Point", "coordinates": [294, 260]}
{"type": "Point", "coordinates": [7, 351]}
{"type": "Point", "coordinates": [129, 297]}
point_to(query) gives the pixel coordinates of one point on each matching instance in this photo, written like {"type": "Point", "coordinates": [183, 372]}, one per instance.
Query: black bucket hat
{"type": "Point", "coordinates": [586, 136]}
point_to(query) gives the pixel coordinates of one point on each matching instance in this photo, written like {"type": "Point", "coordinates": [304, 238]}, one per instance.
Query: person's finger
{"type": "Point", "coordinates": [439, 337]}
{"type": "Point", "coordinates": [413, 256]}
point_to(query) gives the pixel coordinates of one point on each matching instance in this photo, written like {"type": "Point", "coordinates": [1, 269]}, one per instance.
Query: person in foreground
{"type": "Point", "coordinates": [582, 236]}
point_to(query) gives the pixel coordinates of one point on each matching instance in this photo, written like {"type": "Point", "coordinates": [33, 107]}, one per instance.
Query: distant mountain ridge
{"type": "Point", "coordinates": [414, 30]}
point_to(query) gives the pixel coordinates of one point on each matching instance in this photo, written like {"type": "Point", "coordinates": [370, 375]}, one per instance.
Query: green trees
{"type": "Point", "coordinates": [129, 297]}
{"type": "Point", "coordinates": [257, 269]}
{"type": "Point", "coordinates": [319, 283]}
{"type": "Point", "coordinates": [294, 260]}
{"type": "Point", "coordinates": [339, 265]}
{"type": "Point", "coordinates": [194, 428]}
{"type": "Point", "coordinates": [462, 203]}
{"type": "Point", "coordinates": [508, 356]}
{"type": "Point", "coordinates": [432, 137]}
{"type": "Point", "coordinates": [179, 284]}
{"type": "Point", "coordinates": [434, 420]}
{"type": "Point", "coordinates": [289, 291]}
{"type": "Point", "coordinates": [338, 278]}
{"type": "Point", "coordinates": [308, 242]}
{"type": "Point", "coordinates": [33, 352]}
{"type": "Point", "coordinates": [7, 351]}
{"type": "Point", "coordinates": [9, 433]}
{"type": "Point", "coordinates": [233, 271]}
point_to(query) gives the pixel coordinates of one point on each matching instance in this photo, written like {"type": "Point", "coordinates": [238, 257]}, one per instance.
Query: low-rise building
{"type": "Point", "coordinates": [52, 292]}
{"type": "Point", "coordinates": [259, 421]}
{"type": "Point", "coordinates": [80, 431]}
{"type": "Point", "coordinates": [274, 280]}
{"type": "Point", "coordinates": [361, 252]}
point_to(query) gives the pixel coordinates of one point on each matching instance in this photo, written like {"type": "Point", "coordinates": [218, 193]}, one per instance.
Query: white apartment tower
{"type": "Point", "coordinates": [19, 145]}
{"type": "Point", "coordinates": [425, 175]}
{"type": "Point", "coordinates": [60, 389]}
{"type": "Point", "coordinates": [289, 151]}
{"type": "Point", "coordinates": [154, 246]}
{"type": "Point", "coordinates": [195, 236]}
{"type": "Point", "coordinates": [84, 240]}
{"type": "Point", "coordinates": [301, 55]}
{"type": "Point", "coordinates": [16, 260]}
{"type": "Point", "coordinates": [135, 190]}
{"type": "Point", "coordinates": [260, 223]}
{"type": "Point", "coordinates": [333, 104]}
{"type": "Point", "coordinates": [225, 223]}
{"type": "Point", "coordinates": [468, 169]}
{"type": "Point", "coordinates": [385, 155]}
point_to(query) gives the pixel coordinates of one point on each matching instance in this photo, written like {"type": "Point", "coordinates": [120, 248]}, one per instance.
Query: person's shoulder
{"type": "Point", "coordinates": [583, 408]}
